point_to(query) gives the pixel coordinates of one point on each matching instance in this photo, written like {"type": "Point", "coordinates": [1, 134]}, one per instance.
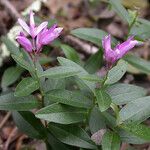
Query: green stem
{"type": "Point", "coordinates": [116, 110]}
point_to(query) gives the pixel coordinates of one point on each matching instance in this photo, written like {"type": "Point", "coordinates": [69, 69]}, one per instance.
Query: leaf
{"type": "Point", "coordinates": [90, 34]}
{"type": "Point", "coordinates": [60, 72]}
{"type": "Point", "coordinates": [72, 135]}
{"type": "Point", "coordinates": [140, 130]}
{"type": "Point", "coordinates": [139, 63]}
{"type": "Point", "coordinates": [62, 114]}
{"type": "Point", "coordinates": [11, 75]}
{"type": "Point", "coordinates": [83, 72]}
{"type": "Point", "coordinates": [70, 53]}
{"type": "Point", "coordinates": [26, 87]}
{"type": "Point", "coordinates": [131, 138]}
{"type": "Point", "coordinates": [124, 93]}
{"type": "Point", "coordinates": [72, 98]}
{"type": "Point", "coordinates": [24, 64]}
{"type": "Point", "coordinates": [94, 62]}
{"type": "Point", "coordinates": [10, 102]}
{"type": "Point", "coordinates": [92, 78]}
{"type": "Point", "coordinates": [56, 144]}
{"type": "Point", "coordinates": [110, 141]}
{"type": "Point", "coordinates": [96, 120]}
{"type": "Point", "coordinates": [136, 111]}
{"type": "Point", "coordinates": [11, 46]}
{"type": "Point", "coordinates": [120, 10]}
{"type": "Point", "coordinates": [103, 99]}
{"type": "Point", "coordinates": [116, 73]}
{"type": "Point", "coordinates": [141, 29]}
{"type": "Point", "coordinates": [51, 84]}
{"type": "Point", "coordinates": [27, 123]}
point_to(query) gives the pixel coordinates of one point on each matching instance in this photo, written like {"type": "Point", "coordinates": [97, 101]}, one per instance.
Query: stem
{"type": "Point", "coordinates": [116, 110]}
{"type": "Point", "coordinates": [36, 60]}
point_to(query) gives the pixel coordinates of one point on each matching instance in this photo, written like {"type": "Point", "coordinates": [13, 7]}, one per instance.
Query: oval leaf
{"type": "Point", "coordinates": [140, 130]}
{"type": "Point", "coordinates": [71, 135]}
{"type": "Point", "coordinates": [110, 141]}
{"type": "Point", "coordinates": [136, 111]}
{"type": "Point", "coordinates": [116, 73]}
{"type": "Point", "coordinates": [59, 72]}
{"type": "Point", "coordinates": [27, 123]}
{"type": "Point", "coordinates": [26, 87]}
{"type": "Point", "coordinates": [124, 93]}
{"type": "Point", "coordinates": [90, 34]}
{"type": "Point", "coordinates": [10, 102]}
{"type": "Point", "coordinates": [62, 114]}
{"type": "Point", "coordinates": [72, 98]}
{"type": "Point", "coordinates": [103, 99]}
{"type": "Point", "coordinates": [11, 75]}
{"type": "Point", "coordinates": [70, 53]}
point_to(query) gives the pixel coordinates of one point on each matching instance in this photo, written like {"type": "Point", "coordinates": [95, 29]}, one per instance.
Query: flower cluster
{"type": "Point", "coordinates": [112, 55]}
{"type": "Point", "coordinates": [40, 35]}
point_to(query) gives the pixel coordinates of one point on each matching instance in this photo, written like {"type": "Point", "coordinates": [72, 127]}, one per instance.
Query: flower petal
{"type": "Point", "coordinates": [123, 48]}
{"type": "Point", "coordinates": [32, 23]}
{"type": "Point", "coordinates": [106, 43]}
{"type": "Point", "coordinates": [25, 43]}
{"type": "Point", "coordinates": [24, 25]}
{"type": "Point", "coordinates": [41, 27]}
{"type": "Point", "coordinates": [51, 35]}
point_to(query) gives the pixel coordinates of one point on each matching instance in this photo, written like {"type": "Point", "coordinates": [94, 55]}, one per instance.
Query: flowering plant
{"type": "Point", "coordinates": [73, 106]}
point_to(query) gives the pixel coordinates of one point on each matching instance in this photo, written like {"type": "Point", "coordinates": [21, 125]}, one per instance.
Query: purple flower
{"type": "Point", "coordinates": [32, 29]}
{"type": "Point", "coordinates": [47, 36]}
{"type": "Point", "coordinates": [24, 42]}
{"type": "Point", "coordinates": [112, 55]}
{"type": "Point", "coordinates": [40, 35]}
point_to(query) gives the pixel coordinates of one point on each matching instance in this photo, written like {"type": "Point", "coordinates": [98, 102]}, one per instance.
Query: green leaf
{"type": "Point", "coordinates": [92, 78]}
{"type": "Point", "coordinates": [51, 84]}
{"type": "Point", "coordinates": [11, 75]}
{"type": "Point", "coordinates": [83, 72]}
{"type": "Point", "coordinates": [96, 120]}
{"type": "Point", "coordinates": [27, 123]}
{"type": "Point", "coordinates": [26, 87]}
{"type": "Point", "coordinates": [72, 135]}
{"type": "Point", "coordinates": [62, 114]}
{"type": "Point", "coordinates": [94, 62]}
{"type": "Point", "coordinates": [139, 130]}
{"type": "Point", "coordinates": [59, 72]}
{"type": "Point", "coordinates": [10, 102]}
{"type": "Point", "coordinates": [139, 63]}
{"type": "Point", "coordinates": [131, 138]}
{"type": "Point", "coordinates": [103, 99]}
{"type": "Point", "coordinates": [110, 141]}
{"type": "Point", "coordinates": [116, 73]}
{"type": "Point", "coordinates": [136, 111]}
{"type": "Point", "coordinates": [70, 53]}
{"type": "Point", "coordinates": [120, 10]}
{"type": "Point", "coordinates": [124, 93]}
{"type": "Point", "coordinates": [90, 34]}
{"type": "Point", "coordinates": [10, 46]}
{"type": "Point", "coordinates": [141, 29]}
{"type": "Point", "coordinates": [24, 64]}
{"type": "Point", "coordinates": [72, 98]}
{"type": "Point", "coordinates": [55, 144]}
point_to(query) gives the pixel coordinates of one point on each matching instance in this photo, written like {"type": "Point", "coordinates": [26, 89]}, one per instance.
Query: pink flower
{"type": "Point", "coordinates": [24, 42]}
{"type": "Point", "coordinates": [47, 36]}
{"type": "Point", "coordinates": [32, 29]}
{"type": "Point", "coordinates": [40, 35]}
{"type": "Point", "coordinates": [112, 55]}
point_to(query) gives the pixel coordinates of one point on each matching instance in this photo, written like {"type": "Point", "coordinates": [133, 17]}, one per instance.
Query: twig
{"type": "Point", "coordinates": [11, 9]}
{"type": "Point", "coordinates": [13, 132]}
{"type": "Point", "coordinates": [5, 119]}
